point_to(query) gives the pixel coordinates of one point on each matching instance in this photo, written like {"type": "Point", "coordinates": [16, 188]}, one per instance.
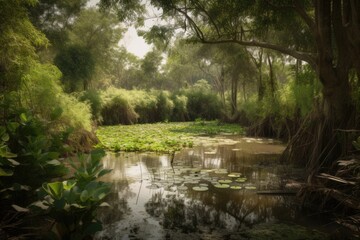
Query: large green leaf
{"type": "Point", "coordinates": [5, 172]}
{"type": "Point", "coordinates": [54, 189]}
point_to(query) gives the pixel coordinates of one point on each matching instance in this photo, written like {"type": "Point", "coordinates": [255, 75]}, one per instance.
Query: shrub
{"type": "Point", "coordinates": [202, 102]}
{"type": "Point", "coordinates": [42, 94]}
{"type": "Point", "coordinates": [92, 97]}
{"type": "Point", "coordinates": [164, 106]}
{"type": "Point", "coordinates": [117, 109]}
{"type": "Point", "coordinates": [180, 113]}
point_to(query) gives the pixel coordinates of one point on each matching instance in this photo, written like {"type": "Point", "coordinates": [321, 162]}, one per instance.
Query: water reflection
{"type": "Point", "coordinates": [150, 200]}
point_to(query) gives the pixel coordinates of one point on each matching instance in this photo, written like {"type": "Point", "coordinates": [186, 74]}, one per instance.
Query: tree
{"type": "Point", "coordinates": [19, 41]}
{"type": "Point", "coordinates": [77, 65]}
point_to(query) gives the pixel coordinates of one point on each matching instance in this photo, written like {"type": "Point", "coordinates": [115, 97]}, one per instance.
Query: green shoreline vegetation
{"type": "Point", "coordinates": [160, 137]}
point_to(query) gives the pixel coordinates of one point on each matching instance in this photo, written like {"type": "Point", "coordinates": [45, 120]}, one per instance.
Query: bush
{"type": "Point", "coordinates": [164, 106]}
{"type": "Point", "coordinates": [92, 97]}
{"type": "Point", "coordinates": [42, 94]}
{"type": "Point", "coordinates": [117, 109]}
{"type": "Point", "coordinates": [180, 113]}
{"type": "Point", "coordinates": [202, 102]}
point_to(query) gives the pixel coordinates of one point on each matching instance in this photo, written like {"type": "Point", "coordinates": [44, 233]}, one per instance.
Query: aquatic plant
{"type": "Point", "coordinates": [158, 137]}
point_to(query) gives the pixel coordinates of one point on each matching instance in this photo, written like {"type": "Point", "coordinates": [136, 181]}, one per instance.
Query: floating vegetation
{"type": "Point", "coordinates": [182, 188]}
{"type": "Point", "coordinates": [221, 171]}
{"type": "Point", "coordinates": [241, 180]}
{"type": "Point", "coordinates": [200, 189]}
{"type": "Point", "coordinates": [222, 185]}
{"type": "Point", "coordinates": [225, 181]}
{"type": "Point", "coordinates": [158, 137]}
{"type": "Point", "coordinates": [250, 187]}
{"type": "Point", "coordinates": [203, 185]}
{"type": "Point", "coordinates": [237, 175]}
{"type": "Point", "coordinates": [236, 187]}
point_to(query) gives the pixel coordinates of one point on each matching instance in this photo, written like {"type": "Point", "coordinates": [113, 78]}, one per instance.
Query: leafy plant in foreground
{"type": "Point", "coordinates": [72, 204]}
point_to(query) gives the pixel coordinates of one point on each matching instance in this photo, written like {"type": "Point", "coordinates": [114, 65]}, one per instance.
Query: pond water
{"type": "Point", "coordinates": [216, 190]}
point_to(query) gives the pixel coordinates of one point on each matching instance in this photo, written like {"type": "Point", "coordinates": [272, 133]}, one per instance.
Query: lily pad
{"type": "Point", "coordinates": [250, 187]}
{"type": "Point", "coordinates": [236, 187]}
{"type": "Point", "coordinates": [222, 185]}
{"type": "Point", "coordinates": [200, 189]}
{"type": "Point", "coordinates": [182, 188]}
{"type": "Point", "coordinates": [241, 180]}
{"type": "Point", "coordinates": [234, 175]}
{"type": "Point", "coordinates": [225, 181]}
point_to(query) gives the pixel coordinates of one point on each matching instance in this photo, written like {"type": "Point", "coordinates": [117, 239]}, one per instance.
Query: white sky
{"type": "Point", "coordinates": [135, 44]}
{"type": "Point", "coordinates": [131, 41]}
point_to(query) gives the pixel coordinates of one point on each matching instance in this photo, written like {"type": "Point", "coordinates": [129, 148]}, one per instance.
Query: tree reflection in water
{"type": "Point", "coordinates": [147, 205]}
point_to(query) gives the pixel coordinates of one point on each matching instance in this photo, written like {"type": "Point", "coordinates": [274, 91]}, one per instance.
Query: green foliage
{"type": "Point", "coordinates": [7, 163]}
{"type": "Point", "coordinates": [73, 203]}
{"type": "Point", "coordinates": [34, 149]}
{"type": "Point", "coordinates": [180, 112]}
{"type": "Point", "coordinates": [117, 109]}
{"type": "Point", "coordinates": [202, 102]}
{"type": "Point", "coordinates": [77, 65]}
{"type": "Point", "coordinates": [41, 94]}
{"type": "Point", "coordinates": [19, 40]}
{"type": "Point", "coordinates": [92, 97]}
{"type": "Point", "coordinates": [164, 106]}
{"type": "Point", "coordinates": [159, 137]}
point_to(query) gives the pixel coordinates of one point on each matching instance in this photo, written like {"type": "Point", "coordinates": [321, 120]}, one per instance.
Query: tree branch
{"type": "Point", "coordinates": [306, 57]}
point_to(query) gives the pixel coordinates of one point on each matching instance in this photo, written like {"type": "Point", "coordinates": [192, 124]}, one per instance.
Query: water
{"type": "Point", "coordinates": [154, 199]}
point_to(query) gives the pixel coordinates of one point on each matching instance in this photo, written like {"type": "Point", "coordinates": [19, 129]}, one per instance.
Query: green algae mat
{"type": "Point", "coordinates": [160, 137]}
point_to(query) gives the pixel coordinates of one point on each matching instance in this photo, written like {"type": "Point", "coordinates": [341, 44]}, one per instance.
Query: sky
{"type": "Point", "coordinates": [135, 44]}
{"type": "Point", "coordinates": [131, 41]}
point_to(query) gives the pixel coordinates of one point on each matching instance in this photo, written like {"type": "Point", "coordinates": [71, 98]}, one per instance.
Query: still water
{"type": "Point", "coordinates": [211, 191]}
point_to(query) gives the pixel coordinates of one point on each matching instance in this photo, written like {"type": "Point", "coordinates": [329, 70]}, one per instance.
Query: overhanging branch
{"type": "Point", "coordinates": [306, 57]}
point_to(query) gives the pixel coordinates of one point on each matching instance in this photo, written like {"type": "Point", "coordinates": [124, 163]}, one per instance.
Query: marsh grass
{"type": "Point", "coordinates": [160, 137]}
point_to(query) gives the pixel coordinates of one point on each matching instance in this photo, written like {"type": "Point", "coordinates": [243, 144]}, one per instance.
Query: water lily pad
{"type": "Point", "coordinates": [221, 171]}
{"type": "Point", "coordinates": [200, 189]}
{"type": "Point", "coordinates": [225, 181]}
{"type": "Point", "coordinates": [236, 187]}
{"type": "Point", "coordinates": [241, 180]}
{"type": "Point", "coordinates": [234, 175]}
{"type": "Point", "coordinates": [182, 188]}
{"type": "Point", "coordinates": [222, 185]}
{"type": "Point", "coordinates": [203, 185]}
{"type": "Point", "coordinates": [206, 171]}
{"type": "Point", "coordinates": [210, 153]}
{"type": "Point", "coordinates": [250, 187]}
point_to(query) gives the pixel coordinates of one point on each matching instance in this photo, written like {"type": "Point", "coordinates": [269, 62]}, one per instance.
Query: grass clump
{"type": "Point", "coordinates": [159, 137]}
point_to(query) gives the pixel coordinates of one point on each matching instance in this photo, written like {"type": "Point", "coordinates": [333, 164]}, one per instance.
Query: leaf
{"type": "Point", "coordinates": [5, 137]}
{"type": "Point", "coordinates": [12, 126]}
{"type": "Point", "coordinates": [104, 204]}
{"type": "Point", "coordinates": [23, 118]}
{"type": "Point", "coordinates": [5, 172]}
{"type": "Point", "coordinates": [84, 196]}
{"type": "Point", "coordinates": [54, 162]}
{"type": "Point", "coordinates": [20, 209]}
{"type": "Point", "coordinates": [69, 184]}
{"type": "Point", "coordinates": [13, 162]}
{"type": "Point", "coordinates": [104, 172]}
{"type": "Point", "coordinates": [54, 189]}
